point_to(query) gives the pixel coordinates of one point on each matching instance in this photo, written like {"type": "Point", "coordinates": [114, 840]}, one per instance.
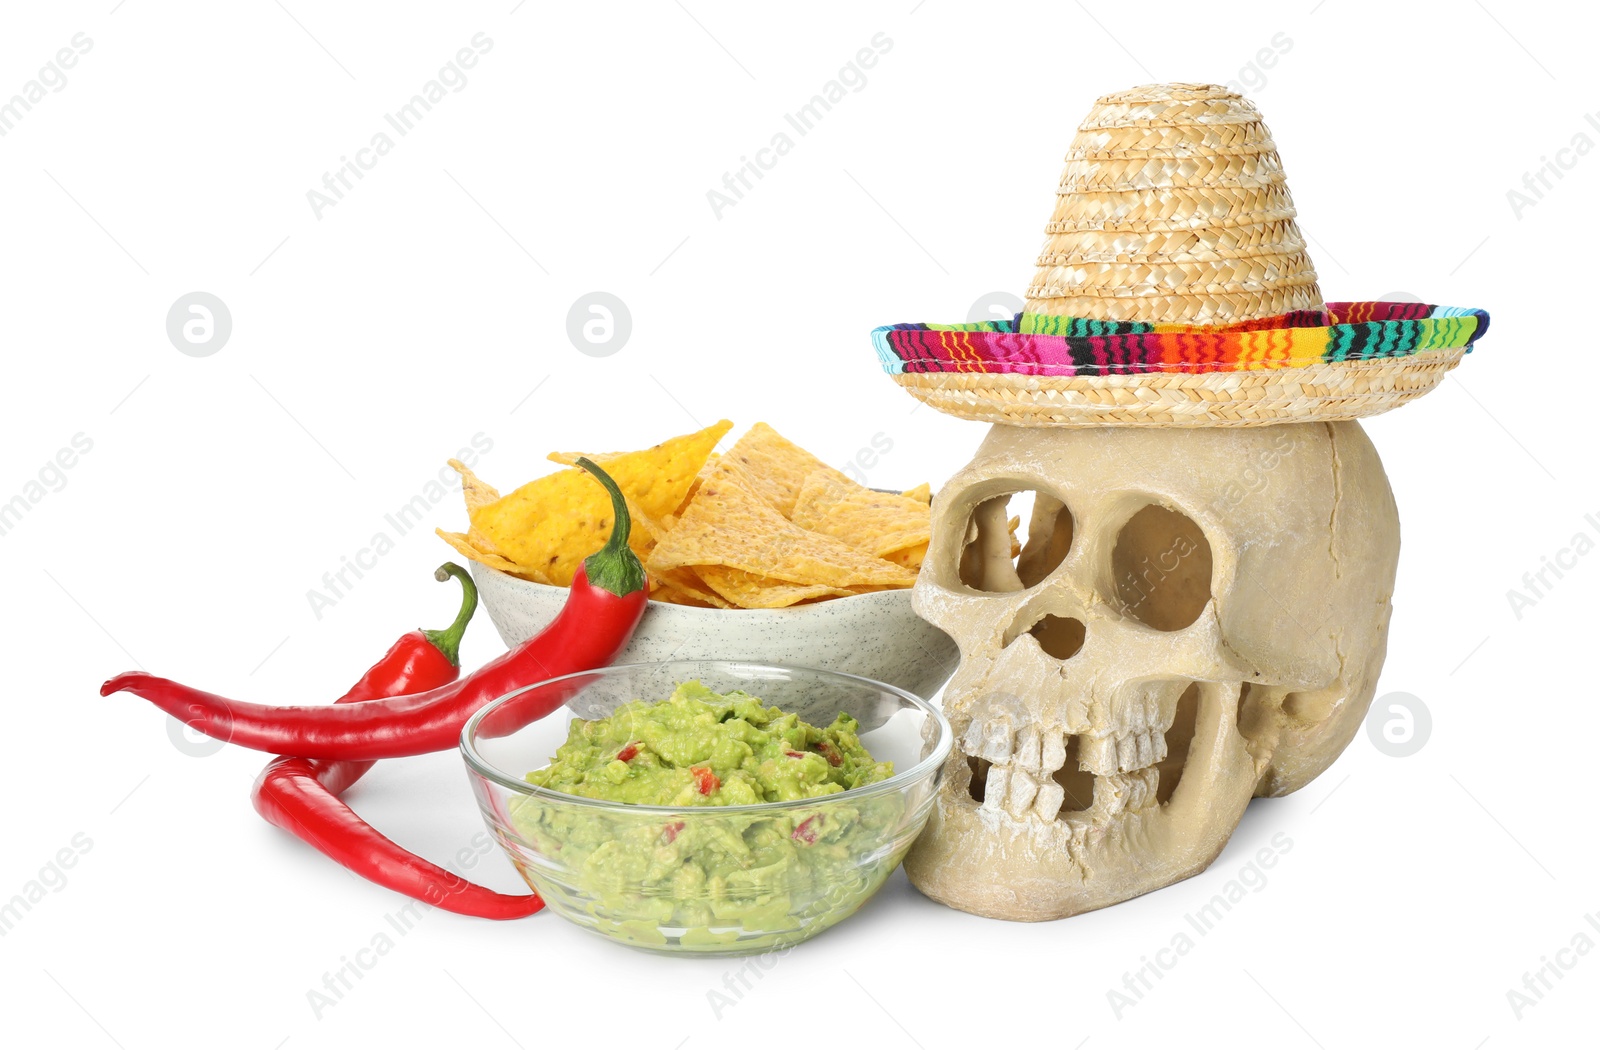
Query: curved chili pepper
{"type": "Point", "coordinates": [290, 794]}
{"type": "Point", "coordinates": [418, 661]}
{"type": "Point", "coordinates": [301, 795]}
{"type": "Point", "coordinates": [603, 606]}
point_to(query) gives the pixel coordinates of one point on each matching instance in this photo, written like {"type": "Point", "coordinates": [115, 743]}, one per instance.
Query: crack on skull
{"type": "Point", "coordinates": [1234, 655]}
{"type": "Point", "coordinates": [1338, 495]}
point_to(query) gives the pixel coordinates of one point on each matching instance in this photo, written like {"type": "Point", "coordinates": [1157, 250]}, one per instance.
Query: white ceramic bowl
{"type": "Point", "coordinates": [872, 635]}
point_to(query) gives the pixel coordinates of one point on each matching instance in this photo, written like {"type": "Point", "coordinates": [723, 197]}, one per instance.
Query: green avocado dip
{"type": "Point", "coordinates": [752, 878]}
{"type": "Point", "coordinates": [657, 754]}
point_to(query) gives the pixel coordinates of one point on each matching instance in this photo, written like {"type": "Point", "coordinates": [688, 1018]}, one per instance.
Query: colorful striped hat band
{"type": "Point", "coordinates": [1174, 289]}
{"type": "Point", "coordinates": [1040, 345]}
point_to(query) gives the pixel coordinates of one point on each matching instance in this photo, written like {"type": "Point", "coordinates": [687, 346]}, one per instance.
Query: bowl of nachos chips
{"type": "Point", "coordinates": [760, 552]}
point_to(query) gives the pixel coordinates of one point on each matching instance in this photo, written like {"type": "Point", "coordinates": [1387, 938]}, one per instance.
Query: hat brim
{"type": "Point", "coordinates": [1353, 360]}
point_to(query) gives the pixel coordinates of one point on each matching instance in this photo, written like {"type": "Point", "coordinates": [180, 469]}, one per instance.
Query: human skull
{"type": "Point", "coordinates": [1198, 616]}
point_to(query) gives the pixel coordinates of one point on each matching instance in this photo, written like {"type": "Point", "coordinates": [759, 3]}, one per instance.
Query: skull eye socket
{"type": "Point", "coordinates": [1014, 540]}
{"type": "Point", "coordinates": [1161, 568]}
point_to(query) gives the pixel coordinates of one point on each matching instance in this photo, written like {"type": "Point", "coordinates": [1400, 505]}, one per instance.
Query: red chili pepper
{"type": "Point", "coordinates": [603, 606]}
{"type": "Point", "coordinates": [628, 754]}
{"type": "Point", "coordinates": [670, 832]}
{"type": "Point", "coordinates": [795, 754]}
{"type": "Point", "coordinates": [803, 832]}
{"type": "Point", "coordinates": [826, 750]}
{"type": "Point", "coordinates": [301, 795]}
{"type": "Point", "coordinates": [707, 780]}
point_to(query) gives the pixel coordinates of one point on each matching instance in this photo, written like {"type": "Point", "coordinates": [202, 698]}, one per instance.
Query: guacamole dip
{"type": "Point", "coordinates": [661, 754]}
{"type": "Point", "coordinates": [701, 878]}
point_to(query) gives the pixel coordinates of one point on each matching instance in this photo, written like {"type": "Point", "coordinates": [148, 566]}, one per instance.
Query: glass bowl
{"type": "Point", "coordinates": [716, 880]}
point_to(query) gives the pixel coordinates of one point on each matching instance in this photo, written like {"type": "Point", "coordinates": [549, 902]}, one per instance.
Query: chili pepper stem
{"type": "Point", "coordinates": [448, 641]}
{"type": "Point", "coordinates": [613, 567]}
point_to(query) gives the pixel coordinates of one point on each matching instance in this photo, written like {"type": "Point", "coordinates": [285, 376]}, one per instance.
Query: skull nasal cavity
{"type": "Point", "coordinates": [1060, 636]}
{"type": "Point", "coordinates": [1161, 564]}
{"type": "Point", "coordinates": [999, 554]}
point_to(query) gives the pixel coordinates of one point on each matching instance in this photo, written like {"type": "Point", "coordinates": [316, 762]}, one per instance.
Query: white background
{"type": "Point", "coordinates": [429, 305]}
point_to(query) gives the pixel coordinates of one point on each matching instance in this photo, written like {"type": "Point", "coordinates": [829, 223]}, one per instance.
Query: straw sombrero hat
{"type": "Point", "coordinates": [1174, 289]}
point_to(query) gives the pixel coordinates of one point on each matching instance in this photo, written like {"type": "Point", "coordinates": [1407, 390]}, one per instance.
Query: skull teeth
{"type": "Point", "coordinates": [1149, 742]}
{"type": "Point", "coordinates": [1124, 793]}
{"type": "Point", "coordinates": [1128, 751]}
{"type": "Point", "coordinates": [996, 786]}
{"type": "Point", "coordinates": [1158, 745]}
{"type": "Point", "coordinates": [1053, 752]}
{"type": "Point", "coordinates": [1122, 752]}
{"type": "Point", "coordinates": [990, 740]}
{"type": "Point", "coordinates": [1028, 749]}
{"type": "Point", "coordinates": [1115, 752]}
{"type": "Point", "coordinates": [1047, 803]}
{"type": "Point", "coordinates": [1098, 754]}
{"type": "Point", "coordinates": [1016, 791]}
{"type": "Point", "coordinates": [1021, 791]}
{"type": "Point", "coordinates": [1021, 765]}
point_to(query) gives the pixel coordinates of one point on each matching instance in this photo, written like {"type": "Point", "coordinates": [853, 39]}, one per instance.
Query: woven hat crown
{"type": "Point", "coordinates": [1173, 209]}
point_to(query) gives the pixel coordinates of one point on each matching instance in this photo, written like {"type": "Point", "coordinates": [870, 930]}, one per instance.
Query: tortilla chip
{"type": "Point", "coordinates": [750, 591]}
{"type": "Point", "coordinates": [687, 453]}
{"type": "Point", "coordinates": [464, 546]}
{"type": "Point", "coordinates": [672, 455]}
{"type": "Point", "coordinates": [646, 531]}
{"type": "Point", "coordinates": [665, 592]}
{"type": "Point", "coordinates": [552, 523]}
{"type": "Point", "coordinates": [694, 486]}
{"type": "Point", "coordinates": [910, 557]}
{"type": "Point", "coordinates": [777, 467]}
{"type": "Point", "coordinates": [879, 523]}
{"type": "Point", "coordinates": [474, 489]}
{"type": "Point", "coordinates": [922, 493]}
{"type": "Point", "coordinates": [570, 459]}
{"type": "Point", "coordinates": [731, 524]}
{"type": "Point", "coordinates": [476, 493]}
{"type": "Point", "coordinates": [688, 582]}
